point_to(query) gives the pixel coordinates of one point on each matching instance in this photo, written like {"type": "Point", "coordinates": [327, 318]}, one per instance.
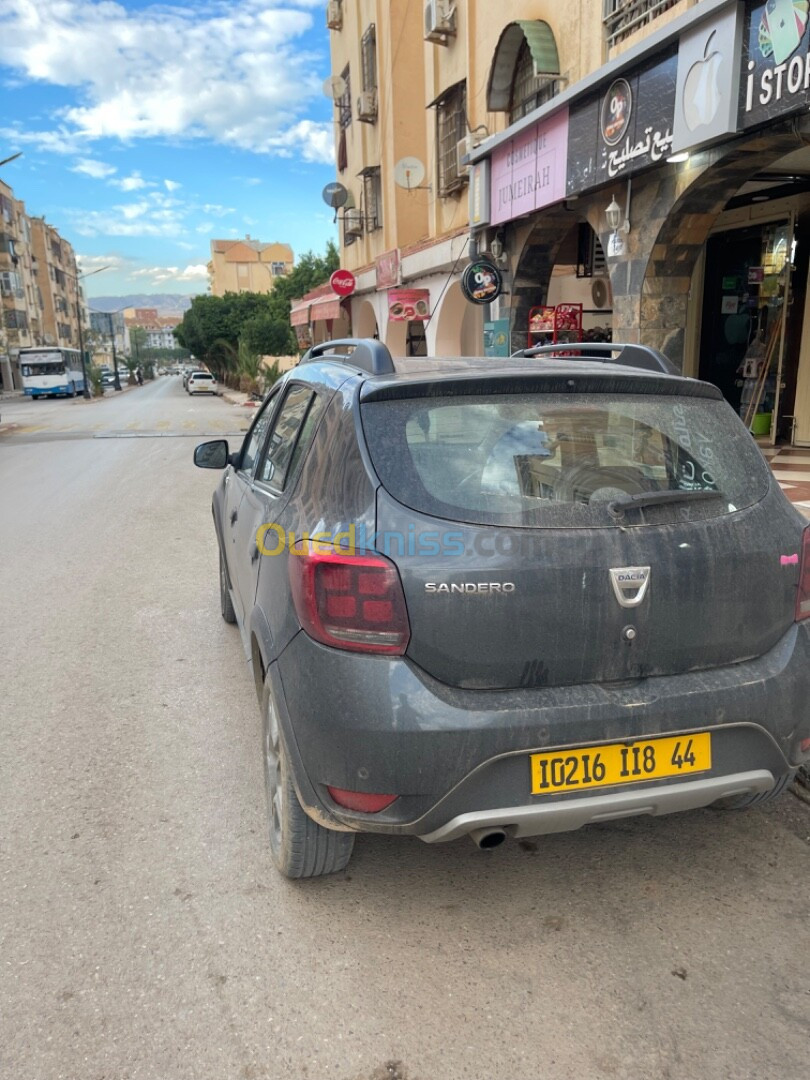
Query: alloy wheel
{"type": "Point", "coordinates": [273, 775]}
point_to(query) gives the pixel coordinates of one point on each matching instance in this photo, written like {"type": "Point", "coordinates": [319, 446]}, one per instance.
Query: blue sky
{"type": "Point", "coordinates": [149, 129]}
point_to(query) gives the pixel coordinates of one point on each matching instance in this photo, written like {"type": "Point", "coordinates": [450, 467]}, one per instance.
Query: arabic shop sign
{"type": "Point", "coordinates": [776, 61]}
{"type": "Point", "coordinates": [528, 171]}
{"type": "Point", "coordinates": [625, 129]}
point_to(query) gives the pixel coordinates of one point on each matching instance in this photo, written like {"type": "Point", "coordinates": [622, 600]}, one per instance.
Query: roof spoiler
{"type": "Point", "coordinates": [635, 356]}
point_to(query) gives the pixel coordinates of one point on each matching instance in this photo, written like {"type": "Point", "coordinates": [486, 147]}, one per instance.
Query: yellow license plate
{"type": "Point", "coordinates": [620, 763]}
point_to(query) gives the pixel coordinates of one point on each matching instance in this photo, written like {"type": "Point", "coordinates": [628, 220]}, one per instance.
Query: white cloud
{"type": "Point", "coordinates": [234, 73]}
{"type": "Point", "coordinates": [171, 185]}
{"type": "Point", "coordinates": [134, 182]}
{"type": "Point", "coordinates": [215, 210]}
{"type": "Point", "coordinates": [99, 170]}
{"type": "Point", "coordinates": [159, 275]}
{"type": "Point", "coordinates": [89, 264]}
{"type": "Point", "coordinates": [154, 214]}
{"type": "Point", "coordinates": [60, 141]}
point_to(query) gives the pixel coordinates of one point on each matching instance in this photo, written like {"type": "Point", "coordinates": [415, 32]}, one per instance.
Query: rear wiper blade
{"type": "Point", "coordinates": [659, 498]}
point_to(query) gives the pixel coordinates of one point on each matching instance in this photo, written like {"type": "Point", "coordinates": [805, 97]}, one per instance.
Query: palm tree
{"type": "Point", "coordinates": [132, 366]}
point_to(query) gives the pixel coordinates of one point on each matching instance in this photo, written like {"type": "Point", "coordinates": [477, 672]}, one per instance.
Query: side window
{"type": "Point", "coordinates": [255, 440]}
{"type": "Point", "coordinates": [307, 432]}
{"type": "Point", "coordinates": [275, 464]}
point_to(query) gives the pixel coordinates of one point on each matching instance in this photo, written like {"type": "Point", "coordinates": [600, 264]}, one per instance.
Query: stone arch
{"type": "Point", "coordinates": [672, 213]}
{"type": "Point", "coordinates": [534, 264]}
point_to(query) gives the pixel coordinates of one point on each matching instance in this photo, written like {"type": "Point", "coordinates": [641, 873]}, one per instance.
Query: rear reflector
{"type": "Point", "coordinates": [352, 602]}
{"type": "Point", "coordinates": [803, 595]}
{"type": "Point", "coordinates": [360, 800]}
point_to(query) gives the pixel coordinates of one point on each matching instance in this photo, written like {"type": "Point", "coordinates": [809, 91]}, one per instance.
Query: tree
{"type": "Point", "coordinates": [267, 336]}
{"type": "Point", "coordinates": [213, 326]}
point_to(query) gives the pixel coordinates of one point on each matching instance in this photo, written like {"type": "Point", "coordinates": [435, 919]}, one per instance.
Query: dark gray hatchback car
{"type": "Point", "coordinates": [508, 600]}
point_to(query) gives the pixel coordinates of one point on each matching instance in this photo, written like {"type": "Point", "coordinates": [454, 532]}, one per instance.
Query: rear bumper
{"type": "Point", "coordinates": [458, 759]}
{"type": "Point", "coordinates": [566, 816]}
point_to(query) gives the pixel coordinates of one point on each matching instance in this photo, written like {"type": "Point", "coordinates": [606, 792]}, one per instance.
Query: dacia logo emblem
{"type": "Point", "coordinates": [630, 584]}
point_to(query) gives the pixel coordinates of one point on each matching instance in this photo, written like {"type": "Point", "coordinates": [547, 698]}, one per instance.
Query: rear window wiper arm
{"type": "Point", "coordinates": [617, 507]}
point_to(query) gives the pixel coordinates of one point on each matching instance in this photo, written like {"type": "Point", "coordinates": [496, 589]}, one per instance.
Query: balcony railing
{"type": "Point", "coordinates": [623, 17]}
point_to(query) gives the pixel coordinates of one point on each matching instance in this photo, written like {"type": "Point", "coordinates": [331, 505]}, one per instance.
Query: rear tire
{"type": "Point", "coordinates": [299, 846]}
{"type": "Point", "coordinates": [744, 802]}
{"type": "Point", "coordinates": [225, 603]}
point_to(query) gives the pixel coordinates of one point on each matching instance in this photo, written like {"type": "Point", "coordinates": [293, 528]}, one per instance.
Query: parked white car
{"type": "Point", "coordinates": [202, 382]}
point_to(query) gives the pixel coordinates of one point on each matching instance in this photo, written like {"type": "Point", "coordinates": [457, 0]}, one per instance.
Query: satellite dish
{"type": "Point", "coordinates": [334, 87]}
{"type": "Point", "coordinates": [409, 172]}
{"type": "Point", "coordinates": [335, 195]}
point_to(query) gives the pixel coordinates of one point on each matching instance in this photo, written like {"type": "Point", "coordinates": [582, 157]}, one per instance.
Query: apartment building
{"type": "Point", "coordinates": [57, 277]}
{"type": "Point", "coordinates": [628, 169]}
{"type": "Point", "coordinates": [247, 265]}
{"type": "Point", "coordinates": [40, 294]}
{"type": "Point", "coordinates": [109, 326]}
{"type": "Point", "coordinates": [20, 297]}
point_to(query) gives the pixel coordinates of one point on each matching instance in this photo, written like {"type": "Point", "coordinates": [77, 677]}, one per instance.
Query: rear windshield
{"type": "Point", "coordinates": [201, 378]}
{"type": "Point", "coordinates": [552, 460]}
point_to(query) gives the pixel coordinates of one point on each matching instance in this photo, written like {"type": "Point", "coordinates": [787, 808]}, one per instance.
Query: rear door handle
{"type": "Point", "coordinates": [234, 516]}
{"type": "Point", "coordinates": [254, 554]}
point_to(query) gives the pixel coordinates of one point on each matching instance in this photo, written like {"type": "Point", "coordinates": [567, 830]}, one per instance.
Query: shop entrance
{"type": "Point", "coordinates": [742, 342]}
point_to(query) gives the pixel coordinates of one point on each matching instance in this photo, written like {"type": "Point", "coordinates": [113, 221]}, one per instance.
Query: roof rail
{"type": "Point", "coordinates": [367, 354]}
{"type": "Point", "coordinates": [637, 356]}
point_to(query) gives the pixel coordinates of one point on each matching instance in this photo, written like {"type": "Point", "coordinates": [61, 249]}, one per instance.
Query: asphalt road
{"type": "Point", "coordinates": [143, 930]}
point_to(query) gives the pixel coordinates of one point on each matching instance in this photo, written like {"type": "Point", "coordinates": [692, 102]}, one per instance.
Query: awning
{"type": "Point", "coordinates": [299, 314]}
{"type": "Point", "coordinates": [325, 307]}
{"type": "Point", "coordinates": [543, 47]}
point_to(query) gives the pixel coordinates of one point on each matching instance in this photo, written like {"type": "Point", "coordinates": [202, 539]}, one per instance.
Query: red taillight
{"type": "Point", "coordinates": [360, 800]}
{"type": "Point", "coordinates": [349, 601]}
{"type": "Point", "coordinates": [803, 595]}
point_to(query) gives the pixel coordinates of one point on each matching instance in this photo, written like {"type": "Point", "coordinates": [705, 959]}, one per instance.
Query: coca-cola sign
{"type": "Point", "coordinates": [343, 282]}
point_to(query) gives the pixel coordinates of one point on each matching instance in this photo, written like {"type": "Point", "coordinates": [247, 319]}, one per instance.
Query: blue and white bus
{"type": "Point", "coordinates": [47, 370]}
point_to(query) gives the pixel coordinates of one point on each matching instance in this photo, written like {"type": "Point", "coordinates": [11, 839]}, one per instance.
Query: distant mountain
{"type": "Point", "coordinates": [166, 303]}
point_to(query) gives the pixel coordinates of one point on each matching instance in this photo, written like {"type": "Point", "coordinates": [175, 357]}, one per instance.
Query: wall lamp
{"type": "Point", "coordinates": [617, 221]}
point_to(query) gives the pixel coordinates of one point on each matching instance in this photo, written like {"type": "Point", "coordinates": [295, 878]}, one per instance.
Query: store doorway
{"type": "Point", "coordinates": [745, 295]}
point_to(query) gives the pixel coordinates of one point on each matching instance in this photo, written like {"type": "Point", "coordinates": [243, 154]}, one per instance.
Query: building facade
{"type": "Point", "coordinates": [417, 87]}
{"type": "Point", "coordinates": [631, 170]}
{"type": "Point", "coordinates": [247, 265]}
{"type": "Point", "coordinates": [40, 291]}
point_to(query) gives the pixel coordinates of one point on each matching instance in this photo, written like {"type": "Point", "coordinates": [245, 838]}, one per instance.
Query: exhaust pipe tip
{"type": "Point", "coordinates": [487, 839]}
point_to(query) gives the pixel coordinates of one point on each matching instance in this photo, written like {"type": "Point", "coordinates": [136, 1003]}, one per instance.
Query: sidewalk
{"type": "Point", "coordinates": [791, 467]}
{"type": "Point", "coordinates": [236, 397]}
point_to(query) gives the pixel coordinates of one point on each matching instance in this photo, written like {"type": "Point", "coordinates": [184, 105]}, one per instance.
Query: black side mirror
{"type": "Point", "coordinates": [212, 455]}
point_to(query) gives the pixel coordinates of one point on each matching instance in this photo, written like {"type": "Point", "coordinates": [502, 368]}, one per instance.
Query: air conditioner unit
{"type": "Point", "coordinates": [601, 292]}
{"type": "Point", "coordinates": [440, 21]}
{"type": "Point", "coordinates": [353, 223]}
{"type": "Point", "coordinates": [367, 106]}
{"type": "Point", "coordinates": [334, 15]}
{"type": "Point", "coordinates": [464, 147]}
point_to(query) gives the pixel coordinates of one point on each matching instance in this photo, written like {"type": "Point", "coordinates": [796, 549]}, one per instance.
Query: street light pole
{"type": "Point", "coordinates": [117, 382]}
{"type": "Point", "coordinates": [77, 278]}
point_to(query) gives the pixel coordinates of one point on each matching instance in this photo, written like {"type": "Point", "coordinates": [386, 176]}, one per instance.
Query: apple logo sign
{"type": "Point", "coordinates": [701, 96]}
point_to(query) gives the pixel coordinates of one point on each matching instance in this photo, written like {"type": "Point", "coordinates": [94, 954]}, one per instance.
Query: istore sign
{"type": "Point", "coordinates": [776, 61]}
